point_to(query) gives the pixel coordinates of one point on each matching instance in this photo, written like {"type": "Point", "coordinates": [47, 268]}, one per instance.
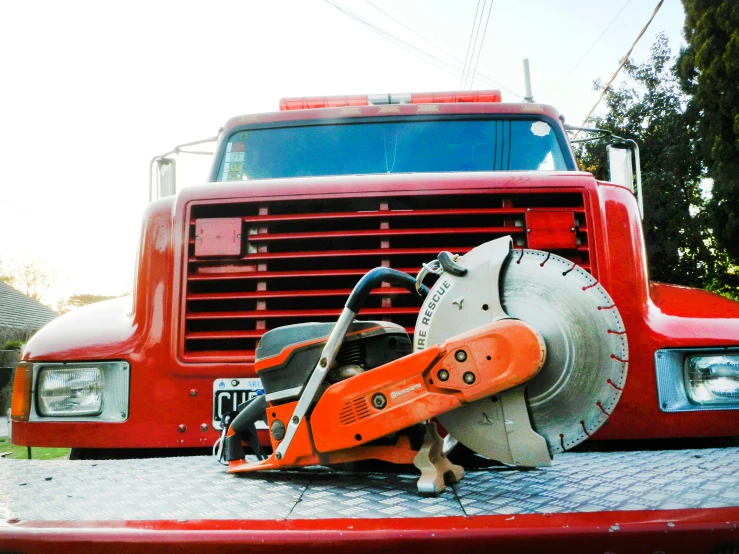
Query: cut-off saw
{"type": "Point", "coordinates": [517, 354]}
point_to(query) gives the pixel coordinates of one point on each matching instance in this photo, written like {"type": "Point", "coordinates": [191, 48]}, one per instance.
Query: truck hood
{"type": "Point", "coordinates": [107, 325]}
{"type": "Point", "coordinates": [387, 183]}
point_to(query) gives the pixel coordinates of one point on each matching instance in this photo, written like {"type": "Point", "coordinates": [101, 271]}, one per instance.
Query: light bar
{"type": "Point", "coordinates": [456, 97]}
{"type": "Point", "coordinates": [310, 102]}
{"type": "Point", "coordinates": [453, 97]}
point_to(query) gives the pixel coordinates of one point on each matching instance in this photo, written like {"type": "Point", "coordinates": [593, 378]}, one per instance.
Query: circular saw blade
{"type": "Point", "coordinates": [587, 351]}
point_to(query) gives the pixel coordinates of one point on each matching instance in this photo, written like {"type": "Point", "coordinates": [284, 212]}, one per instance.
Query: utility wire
{"type": "Point", "coordinates": [469, 43]}
{"type": "Point", "coordinates": [447, 53]}
{"type": "Point", "coordinates": [474, 44]}
{"type": "Point", "coordinates": [623, 63]}
{"type": "Point", "coordinates": [482, 41]}
{"type": "Point", "coordinates": [407, 28]}
{"type": "Point", "coordinates": [591, 47]}
{"type": "Point", "coordinates": [408, 47]}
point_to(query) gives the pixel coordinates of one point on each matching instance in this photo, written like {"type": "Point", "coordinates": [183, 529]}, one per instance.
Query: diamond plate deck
{"type": "Point", "coordinates": [198, 488]}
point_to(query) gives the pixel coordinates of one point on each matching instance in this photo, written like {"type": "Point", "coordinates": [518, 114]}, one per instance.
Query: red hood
{"type": "Point", "coordinates": [389, 184]}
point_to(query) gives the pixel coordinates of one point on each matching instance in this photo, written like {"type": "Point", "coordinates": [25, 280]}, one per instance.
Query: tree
{"type": "Point", "coordinates": [650, 109]}
{"type": "Point", "coordinates": [79, 300]}
{"type": "Point", "coordinates": [31, 278]}
{"type": "Point", "coordinates": [5, 277]}
{"type": "Point", "coordinates": [709, 71]}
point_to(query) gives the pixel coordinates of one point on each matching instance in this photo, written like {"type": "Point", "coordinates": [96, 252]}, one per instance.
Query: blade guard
{"type": "Point", "coordinates": [510, 437]}
{"type": "Point", "coordinates": [587, 350]}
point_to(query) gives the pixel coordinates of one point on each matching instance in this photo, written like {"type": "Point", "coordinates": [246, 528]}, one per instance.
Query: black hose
{"type": "Point", "coordinates": [244, 426]}
{"type": "Point", "coordinates": [373, 278]}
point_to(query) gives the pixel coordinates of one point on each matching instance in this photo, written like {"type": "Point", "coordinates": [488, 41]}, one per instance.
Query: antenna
{"type": "Point", "coordinates": [528, 97]}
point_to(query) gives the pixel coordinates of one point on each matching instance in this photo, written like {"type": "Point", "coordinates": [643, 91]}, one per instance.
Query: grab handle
{"type": "Point", "coordinates": [372, 280]}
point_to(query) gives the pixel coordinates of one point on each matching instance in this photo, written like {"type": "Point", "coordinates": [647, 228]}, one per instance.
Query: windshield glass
{"type": "Point", "coordinates": [391, 147]}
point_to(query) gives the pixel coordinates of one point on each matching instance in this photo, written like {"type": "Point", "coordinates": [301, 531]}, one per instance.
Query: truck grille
{"type": "Point", "coordinates": [299, 260]}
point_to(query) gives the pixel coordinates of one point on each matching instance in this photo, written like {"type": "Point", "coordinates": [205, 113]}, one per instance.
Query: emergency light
{"type": "Point", "coordinates": [311, 102]}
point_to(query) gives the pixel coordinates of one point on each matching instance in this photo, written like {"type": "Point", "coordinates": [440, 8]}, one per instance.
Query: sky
{"type": "Point", "coordinates": [91, 91]}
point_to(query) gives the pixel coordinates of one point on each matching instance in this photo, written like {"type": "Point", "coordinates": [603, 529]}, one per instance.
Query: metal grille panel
{"type": "Point", "coordinates": [299, 260]}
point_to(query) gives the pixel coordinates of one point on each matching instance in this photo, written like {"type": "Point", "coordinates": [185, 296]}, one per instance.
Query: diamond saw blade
{"type": "Point", "coordinates": [587, 351]}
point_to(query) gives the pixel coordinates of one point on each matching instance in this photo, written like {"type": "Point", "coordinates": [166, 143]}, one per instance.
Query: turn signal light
{"type": "Point", "coordinates": [20, 407]}
{"type": "Point", "coordinates": [310, 102]}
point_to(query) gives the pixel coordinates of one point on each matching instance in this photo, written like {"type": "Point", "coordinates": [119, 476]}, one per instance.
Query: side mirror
{"type": "Point", "coordinates": [166, 181]}
{"type": "Point", "coordinates": [166, 177]}
{"type": "Point", "coordinates": [621, 168]}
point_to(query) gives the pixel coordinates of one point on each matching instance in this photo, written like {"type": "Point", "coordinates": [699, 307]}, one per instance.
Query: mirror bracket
{"type": "Point", "coordinates": [621, 170]}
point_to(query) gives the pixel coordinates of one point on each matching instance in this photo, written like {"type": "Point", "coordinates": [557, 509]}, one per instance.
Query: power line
{"type": "Point", "coordinates": [408, 47]}
{"type": "Point", "coordinates": [591, 47]}
{"type": "Point", "coordinates": [474, 44]}
{"type": "Point", "coordinates": [482, 41]}
{"type": "Point", "coordinates": [623, 63]}
{"type": "Point", "coordinates": [407, 28]}
{"type": "Point", "coordinates": [469, 43]}
{"type": "Point", "coordinates": [446, 52]}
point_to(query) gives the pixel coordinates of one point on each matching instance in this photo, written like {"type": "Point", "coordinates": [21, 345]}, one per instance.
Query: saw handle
{"type": "Point", "coordinates": [373, 278]}
{"type": "Point", "coordinates": [446, 259]}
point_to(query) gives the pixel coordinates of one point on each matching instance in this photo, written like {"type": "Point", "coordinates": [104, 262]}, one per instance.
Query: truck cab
{"type": "Point", "coordinates": [302, 202]}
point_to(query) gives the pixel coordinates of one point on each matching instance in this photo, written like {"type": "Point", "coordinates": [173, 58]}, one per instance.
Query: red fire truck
{"type": "Point", "coordinates": [299, 205]}
{"type": "Point", "coordinates": [322, 191]}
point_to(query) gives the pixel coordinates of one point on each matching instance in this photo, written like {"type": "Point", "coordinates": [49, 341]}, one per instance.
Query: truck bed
{"type": "Point", "coordinates": [673, 501]}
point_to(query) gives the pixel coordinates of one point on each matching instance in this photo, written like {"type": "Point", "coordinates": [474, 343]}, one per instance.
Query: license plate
{"type": "Point", "coordinates": [229, 393]}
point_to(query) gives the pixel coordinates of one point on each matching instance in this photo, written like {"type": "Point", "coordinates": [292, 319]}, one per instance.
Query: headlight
{"type": "Point", "coordinates": [691, 379]}
{"type": "Point", "coordinates": [77, 391]}
{"type": "Point", "coordinates": [712, 379]}
{"type": "Point", "coordinates": [92, 391]}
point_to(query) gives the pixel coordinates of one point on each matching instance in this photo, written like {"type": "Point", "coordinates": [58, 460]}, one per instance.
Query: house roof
{"type": "Point", "coordinates": [22, 312]}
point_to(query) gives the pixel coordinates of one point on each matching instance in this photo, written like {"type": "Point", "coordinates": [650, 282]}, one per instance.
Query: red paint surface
{"type": "Point", "coordinates": [636, 532]}
{"type": "Point", "coordinates": [150, 336]}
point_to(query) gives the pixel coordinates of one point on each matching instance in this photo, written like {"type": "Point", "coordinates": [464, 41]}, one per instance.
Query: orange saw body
{"type": "Point", "coordinates": [403, 393]}
{"type": "Point", "coordinates": [357, 390]}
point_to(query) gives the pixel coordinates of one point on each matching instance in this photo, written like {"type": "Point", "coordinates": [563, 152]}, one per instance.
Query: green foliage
{"type": "Point", "coordinates": [726, 285]}
{"type": "Point", "coordinates": [14, 452]}
{"type": "Point", "coordinates": [13, 345]}
{"type": "Point", "coordinates": [5, 277]}
{"type": "Point", "coordinates": [709, 71]}
{"type": "Point", "coordinates": [650, 109]}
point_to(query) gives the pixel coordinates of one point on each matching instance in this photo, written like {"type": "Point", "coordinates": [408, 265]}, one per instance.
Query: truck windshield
{"type": "Point", "coordinates": [391, 147]}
